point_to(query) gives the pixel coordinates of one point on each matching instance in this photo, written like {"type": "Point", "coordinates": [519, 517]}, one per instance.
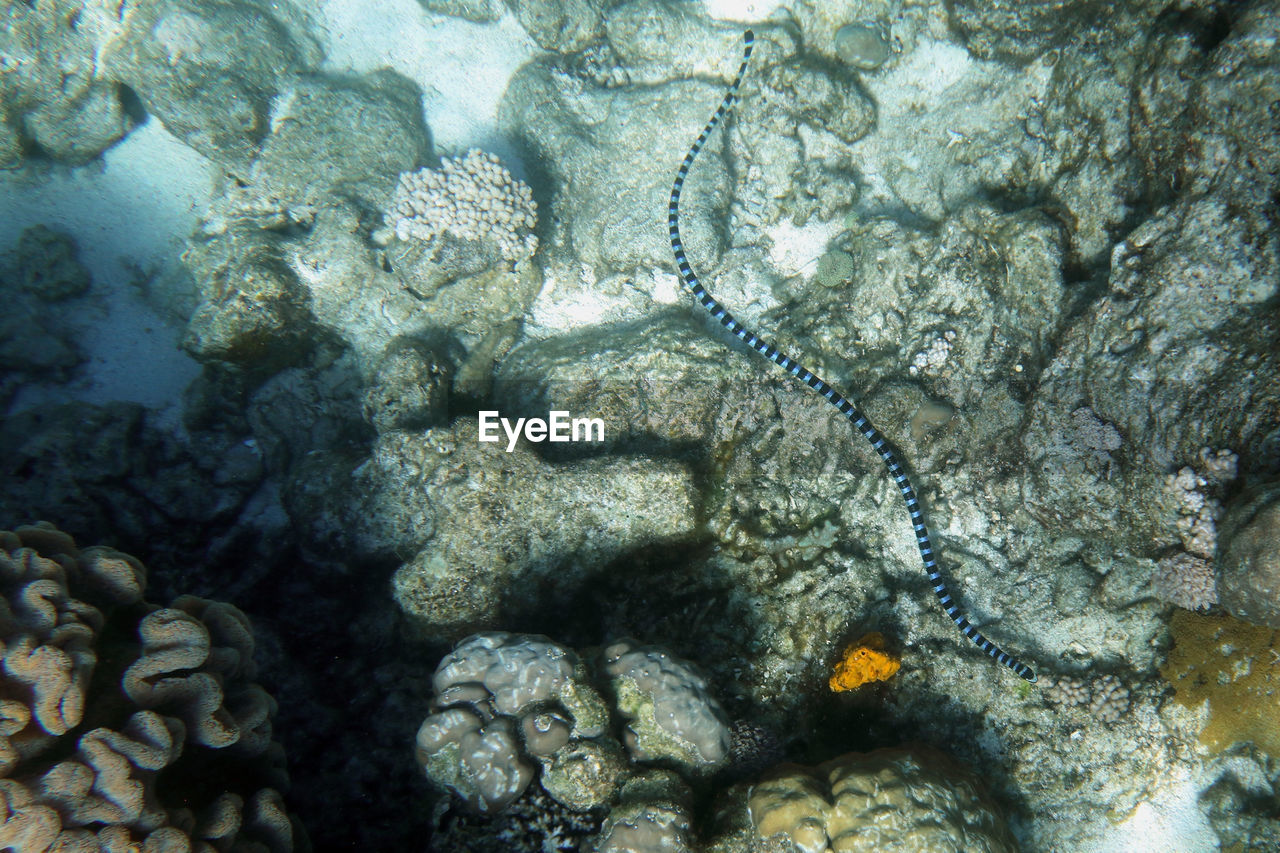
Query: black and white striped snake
{"type": "Point", "coordinates": [848, 409]}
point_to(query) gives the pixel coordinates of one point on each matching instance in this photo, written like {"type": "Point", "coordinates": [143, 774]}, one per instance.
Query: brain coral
{"type": "Point", "coordinates": [887, 800]}
{"type": "Point", "coordinates": [124, 725]}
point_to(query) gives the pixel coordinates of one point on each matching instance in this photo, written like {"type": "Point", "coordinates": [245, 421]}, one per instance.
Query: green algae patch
{"type": "Point", "coordinates": [1233, 665]}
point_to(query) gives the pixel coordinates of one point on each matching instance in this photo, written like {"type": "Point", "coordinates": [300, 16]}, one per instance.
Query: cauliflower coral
{"type": "Point", "coordinates": [472, 198]}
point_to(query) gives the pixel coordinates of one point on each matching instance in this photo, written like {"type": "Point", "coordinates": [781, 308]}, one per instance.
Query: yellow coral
{"type": "Point", "coordinates": [862, 663]}
{"type": "Point", "coordinates": [1235, 667]}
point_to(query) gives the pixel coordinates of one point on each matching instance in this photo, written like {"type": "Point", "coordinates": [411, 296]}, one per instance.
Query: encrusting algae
{"type": "Point", "coordinates": [862, 663]}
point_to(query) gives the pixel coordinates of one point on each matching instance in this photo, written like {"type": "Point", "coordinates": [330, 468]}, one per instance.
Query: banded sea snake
{"type": "Point", "coordinates": [846, 408]}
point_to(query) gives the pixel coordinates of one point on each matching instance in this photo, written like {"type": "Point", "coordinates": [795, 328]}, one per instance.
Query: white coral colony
{"type": "Point", "coordinates": [473, 198]}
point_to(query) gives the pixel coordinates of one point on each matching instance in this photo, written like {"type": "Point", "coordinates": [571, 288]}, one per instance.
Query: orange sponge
{"type": "Point", "coordinates": [862, 663]}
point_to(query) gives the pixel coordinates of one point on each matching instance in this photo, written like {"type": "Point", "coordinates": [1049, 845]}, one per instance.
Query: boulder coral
{"type": "Point", "coordinates": [889, 799]}
{"type": "Point", "coordinates": [671, 715]}
{"type": "Point", "coordinates": [507, 701]}
{"type": "Point", "coordinates": [518, 715]}
{"type": "Point", "coordinates": [618, 743]}
{"type": "Point", "coordinates": [125, 725]}
{"type": "Point", "coordinates": [1225, 671]}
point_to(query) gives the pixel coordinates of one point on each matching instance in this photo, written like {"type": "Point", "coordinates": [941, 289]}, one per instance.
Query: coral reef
{"type": "Point", "coordinates": [286, 257]}
{"type": "Point", "coordinates": [535, 822]}
{"type": "Point", "coordinates": [496, 691]}
{"type": "Point", "coordinates": [208, 71]}
{"type": "Point", "coordinates": [1186, 578]}
{"type": "Point", "coordinates": [410, 387]}
{"type": "Point", "coordinates": [35, 343]}
{"type": "Point", "coordinates": [253, 310]}
{"type": "Point", "coordinates": [114, 472]}
{"type": "Point", "coordinates": [612, 179]}
{"type": "Point", "coordinates": [1036, 240]}
{"type": "Point", "coordinates": [517, 720]}
{"type": "Point", "coordinates": [1067, 690]}
{"type": "Point", "coordinates": [1021, 32]}
{"type": "Point", "coordinates": [321, 147]}
{"type": "Point", "coordinates": [47, 265]}
{"type": "Point", "coordinates": [273, 248]}
{"type": "Point", "coordinates": [478, 760]}
{"type": "Point", "coordinates": [128, 725]}
{"type": "Point", "coordinates": [662, 382]}
{"type": "Point", "coordinates": [657, 827]}
{"type": "Point", "coordinates": [62, 105]}
{"type": "Point", "coordinates": [563, 26]}
{"type": "Point", "coordinates": [1198, 508]}
{"type": "Point", "coordinates": [1110, 699]}
{"type": "Point", "coordinates": [752, 748]}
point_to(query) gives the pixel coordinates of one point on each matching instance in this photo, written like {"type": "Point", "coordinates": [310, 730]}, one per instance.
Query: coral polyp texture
{"type": "Point", "coordinates": [473, 198]}
{"type": "Point", "coordinates": [1187, 581]}
{"type": "Point", "coordinates": [890, 799]}
{"type": "Point", "coordinates": [127, 726]}
{"type": "Point", "coordinates": [671, 714]}
{"type": "Point", "coordinates": [1106, 698]}
{"type": "Point", "coordinates": [1186, 578]}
